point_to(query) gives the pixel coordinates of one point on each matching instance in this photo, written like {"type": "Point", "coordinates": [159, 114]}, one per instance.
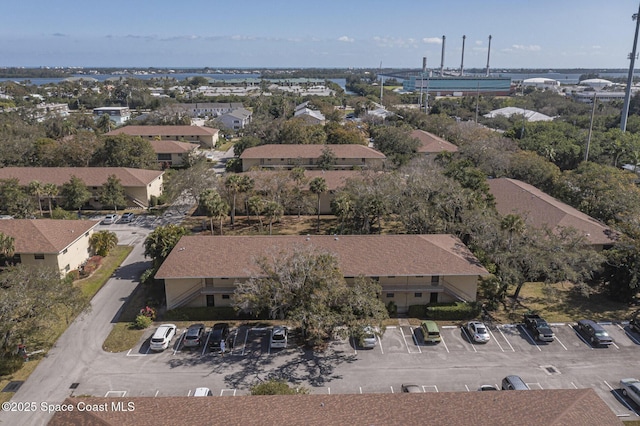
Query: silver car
{"type": "Point", "coordinates": [478, 331]}
{"type": "Point", "coordinates": [369, 338]}
{"type": "Point", "coordinates": [631, 389]}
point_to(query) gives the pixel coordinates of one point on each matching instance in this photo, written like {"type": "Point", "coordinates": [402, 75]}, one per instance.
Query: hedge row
{"type": "Point", "coordinates": [445, 311]}
{"type": "Point", "coordinates": [207, 314]}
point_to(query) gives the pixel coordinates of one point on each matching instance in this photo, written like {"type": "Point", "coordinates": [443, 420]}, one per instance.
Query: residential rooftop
{"type": "Point", "coordinates": [44, 235]}
{"type": "Point", "coordinates": [91, 176]}
{"type": "Point", "coordinates": [430, 143]}
{"type": "Point", "coordinates": [366, 255]}
{"type": "Point", "coordinates": [164, 131]}
{"type": "Point", "coordinates": [310, 151]}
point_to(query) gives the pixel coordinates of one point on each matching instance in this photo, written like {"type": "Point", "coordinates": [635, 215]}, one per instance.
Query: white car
{"type": "Point", "coordinates": [631, 389]}
{"type": "Point", "coordinates": [279, 337]}
{"type": "Point", "coordinates": [478, 331]}
{"type": "Point", "coordinates": [369, 338]}
{"type": "Point", "coordinates": [210, 156]}
{"type": "Point", "coordinates": [162, 337]}
{"type": "Point", "coordinates": [110, 218]}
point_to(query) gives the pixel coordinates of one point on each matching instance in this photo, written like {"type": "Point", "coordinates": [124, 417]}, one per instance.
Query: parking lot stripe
{"type": "Point", "coordinates": [506, 340]}
{"type": "Point", "coordinates": [628, 334]}
{"type": "Point", "coordinates": [467, 388]}
{"type": "Point", "coordinates": [561, 344]}
{"type": "Point", "coordinates": [157, 392]}
{"type": "Point", "coordinates": [444, 343]}
{"type": "Point", "coordinates": [614, 344]}
{"type": "Point", "coordinates": [495, 340]}
{"type": "Point", "coordinates": [244, 345]}
{"type": "Point", "coordinates": [415, 341]}
{"type": "Point", "coordinates": [179, 342]}
{"type": "Point", "coordinates": [130, 354]}
{"type": "Point", "coordinates": [608, 385]}
{"type": "Point", "coordinates": [531, 339]}
{"type": "Point", "coordinates": [329, 391]}
{"type": "Point", "coordinates": [391, 389]}
{"type": "Point", "coordinates": [574, 385]}
{"type": "Point", "coordinates": [464, 330]}
{"type": "Point", "coordinates": [355, 350]}
{"type": "Point", "coordinates": [405, 341]}
{"type": "Point", "coordinates": [360, 389]}
{"type": "Point", "coordinates": [120, 394]}
{"type": "Point", "coordinates": [621, 399]}
{"type": "Point", "coordinates": [380, 344]}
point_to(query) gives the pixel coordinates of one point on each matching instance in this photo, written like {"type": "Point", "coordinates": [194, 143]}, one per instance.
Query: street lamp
{"type": "Point", "coordinates": [627, 93]}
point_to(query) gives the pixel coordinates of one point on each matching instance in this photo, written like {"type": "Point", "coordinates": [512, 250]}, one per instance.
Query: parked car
{"type": "Point", "coordinates": [487, 388]}
{"type": "Point", "coordinates": [279, 337]}
{"type": "Point", "coordinates": [109, 219]}
{"type": "Point", "coordinates": [210, 157]}
{"type": "Point", "coordinates": [594, 333]}
{"type": "Point", "coordinates": [202, 392]}
{"type": "Point", "coordinates": [634, 323]}
{"type": "Point", "coordinates": [514, 383]}
{"type": "Point", "coordinates": [128, 217]}
{"type": "Point", "coordinates": [538, 327]}
{"type": "Point", "coordinates": [368, 338]}
{"type": "Point", "coordinates": [430, 332]}
{"type": "Point", "coordinates": [219, 332]}
{"type": "Point", "coordinates": [162, 337]}
{"type": "Point", "coordinates": [478, 331]}
{"type": "Point", "coordinates": [631, 388]}
{"type": "Point", "coordinates": [193, 337]}
{"type": "Point", "coordinates": [411, 388]}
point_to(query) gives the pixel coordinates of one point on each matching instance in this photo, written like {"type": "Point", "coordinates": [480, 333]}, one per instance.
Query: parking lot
{"type": "Point", "coordinates": [456, 364]}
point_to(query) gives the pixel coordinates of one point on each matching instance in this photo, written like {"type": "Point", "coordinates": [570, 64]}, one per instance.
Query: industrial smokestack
{"type": "Point", "coordinates": [464, 37]}
{"type": "Point", "coordinates": [424, 64]}
{"type": "Point", "coordinates": [488, 55]}
{"type": "Point", "coordinates": [442, 58]}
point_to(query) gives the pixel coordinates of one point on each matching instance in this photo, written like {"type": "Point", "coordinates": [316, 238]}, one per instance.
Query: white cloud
{"type": "Point", "coordinates": [346, 39]}
{"type": "Point", "coordinates": [529, 48]}
{"type": "Point", "coordinates": [394, 42]}
{"type": "Point", "coordinates": [432, 40]}
{"type": "Point", "coordinates": [596, 47]}
{"type": "Point", "coordinates": [478, 42]}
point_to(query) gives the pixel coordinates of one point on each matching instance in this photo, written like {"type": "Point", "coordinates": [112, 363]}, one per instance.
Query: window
{"type": "Point", "coordinates": [164, 157]}
{"type": "Point", "coordinates": [39, 256]}
{"type": "Point", "coordinates": [417, 295]}
{"type": "Point", "coordinates": [391, 276]}
{"type": "Point", "coordinates": [67, 268]}
{"type": "Point", "coordinates": [389, 295]}
{"type": "Point", "coordinates": [435, 280]}
{"type": "Point", "coordinates": [64, 251]}
{"type": "Point", "coordinates": [225, 296]}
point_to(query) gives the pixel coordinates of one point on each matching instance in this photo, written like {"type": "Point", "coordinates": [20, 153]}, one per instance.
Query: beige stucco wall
{"type": "Point", "coordinates": [403, 289]}
{"type": "Point", "coordinates": [143, 193]}
{"type": "Point", "coordinates": [309, 163]}
{"type": "Point", "coordinates": [73, 256]}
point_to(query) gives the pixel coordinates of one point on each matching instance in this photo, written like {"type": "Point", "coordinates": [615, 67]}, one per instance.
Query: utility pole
{"type": "Point", "coordinates": [488, 55]}
{"type": "Point", "coordinates": [627, 93]}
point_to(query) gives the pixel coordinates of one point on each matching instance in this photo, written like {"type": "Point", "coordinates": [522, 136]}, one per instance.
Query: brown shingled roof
{"type": "Point", "coordinates": [310, 151]}
{"type": "Point", "coordinates": [539, 209]}
{"type": "Point", "coordinates": [44, 235]}
{"type": "Point", "coordinates": [91, 176]}
{"type": "Point", "coordinates": [172, 147]}
{"type": "Point", "coordinates": [164, 131]}
{"type": "Point", "coordinates": [430, 143]}
{"type": "Point", "coordinates": [537, 407]}
{"type": "Point", "coordinates": [367, 255]}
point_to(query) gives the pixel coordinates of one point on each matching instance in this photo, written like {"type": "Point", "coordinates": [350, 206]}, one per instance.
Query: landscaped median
{"type": "Point", "coordinates": [89, 287]}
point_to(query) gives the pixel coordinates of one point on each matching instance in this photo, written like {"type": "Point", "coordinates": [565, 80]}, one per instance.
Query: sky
{"type": "Point", "coordinates": [544, 34]}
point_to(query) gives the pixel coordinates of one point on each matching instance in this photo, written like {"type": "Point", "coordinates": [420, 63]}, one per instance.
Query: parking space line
{"type": "Point", "coordinates": [608, 385]}
{"type": "Point", "coordinates": [561, 344]}
{"type": "Point", "coordinates": [531, 339]}
{"type": "Point", "coordinates": [179, 342]}
{"type": "Point", "coordinates": [415, 341]}
{"type": "Point", "coordinates": [628, 334]}
{"type": "Point", "coordinates": [505, 339]}
{"type": "Point", "coordinates": [189, 393]}
{"type": "Point", "coordinates": [270, 336]}
{"type": "Point", "coordinates": [467, 388]}
{"type": "Point", "coordinates": [157, 392]}
{"type": "Point", "coordinates": [444, 343]}
{"type": "Point", "coordinates": [329, 391]}
{"type": "Point", "coordinates": [581, 338]}
{"type": "Point", "coordinates": [405, 342]}
{"type": "Point", "coordinates": [206, 344]}
{"type": "Point", "coordinates": [223, 390]}
{"type": "Point", "coordinates": [244, 345]}
{"type": "Point", "coordinates": [360, 390]}
{"type": "Point", "coordinates": [495, 340]}
{"type": "Point", "coordinates": [574, 385]}
{"type": "Point", "coordinates": [120, 394]}
{"type": "Point", "coordinates": [614, 344]}
{"type": "Point", "coordinates": [130, 354]}
{"type": "Point", "coordinates": [529, 385]}
{"type": "Point", "coordinates": [621, 399]}
{"type": "Point", "coordinates": [429, 386]}
{"type": "Point", "coordinates": [464, 330]}
{"type": "Point", "coordinates": [353, 343]}
{"type": "Point", "coordinates": [391, 389]}
{"type": "Point", "coordinates": [380, 344]}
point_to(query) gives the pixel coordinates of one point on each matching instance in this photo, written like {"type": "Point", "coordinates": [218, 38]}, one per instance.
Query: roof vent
{"type": "Point", "coordinates": [335, 238]}
{"type": "Point", "coordinates": [308, 239]}
{"type": "Point", "coordinates": [181, 249]}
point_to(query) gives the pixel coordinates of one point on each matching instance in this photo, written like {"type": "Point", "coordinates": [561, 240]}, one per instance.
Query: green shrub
{"type": "Point", "coordinates": [205, 313]}
{"type": "Point", "coordinates": [162, 199]}
{"type": "Point", "coordinates": [392, 308]}
{"type": "Point", "coordinates": [74, 275]}
{"type": "Point", "coordinates": [146, 277]}
{"type": "Point", "coordinates": [417, 311]}
{"type": "Point", "coordinates": [276, 387]}
{"type": "Point", "coordinates": [143, 321]}
{"type": "Point", "coordinates": [10, 363]}
{"type": "Point", "coordinates": [59, 213]}
{"type": "Point", "coordinates": [457, 311]}
{"type": "Point", "coordinates": [153, 201]}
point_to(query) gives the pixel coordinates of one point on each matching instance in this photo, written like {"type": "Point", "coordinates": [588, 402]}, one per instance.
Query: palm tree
{"type": "Point", "coordinates": [51, 190]}
{"type": "Point", "coordinates": [318, 185]}
{"type": "Point", "coordinates": [214, 206]}
{"type": "Point", "coordinates": [273, 210]}
{"type": "Point", "coordinates": [7, 245]}
{"type": "Point", "coordinates": [246, 185]}
{"type": "Point", "coordinates": [36, 188]}
{"type": "Point", "coordinates": [256, 205]}
{"type": "Point", "coordinates": [233, 184]}
{"type": "Point", "coordinates": [103, 242]}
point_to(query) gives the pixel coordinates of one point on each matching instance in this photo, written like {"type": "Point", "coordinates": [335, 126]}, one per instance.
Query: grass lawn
{"type": "Point", "coordinates": [563, 302]}
{"type": "Point", "coordinates": [89, 287]}
{"type": "Point", "coordinates": [224, 146]}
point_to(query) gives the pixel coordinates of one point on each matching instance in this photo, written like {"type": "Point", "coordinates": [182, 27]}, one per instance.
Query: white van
{"type": "Point", "coordinates": [202, 392]}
